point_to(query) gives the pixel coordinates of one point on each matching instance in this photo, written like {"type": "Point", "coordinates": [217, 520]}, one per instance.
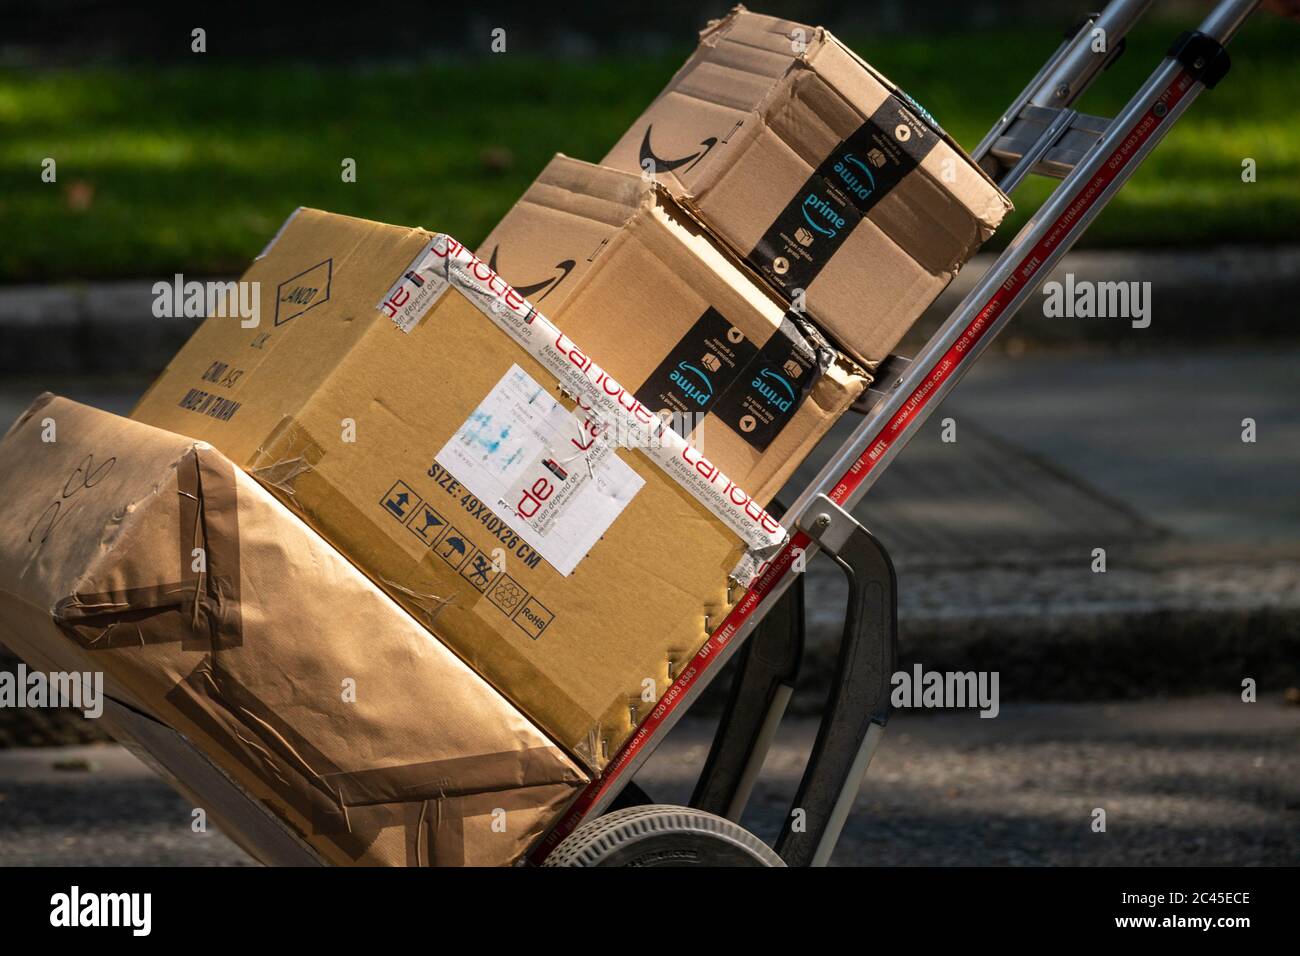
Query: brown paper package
{"type": "Point", "coordinates": [215, 612]}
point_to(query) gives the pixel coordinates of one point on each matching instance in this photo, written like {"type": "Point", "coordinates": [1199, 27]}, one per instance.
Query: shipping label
{"type": "Point", "coordinates": [525, 454]}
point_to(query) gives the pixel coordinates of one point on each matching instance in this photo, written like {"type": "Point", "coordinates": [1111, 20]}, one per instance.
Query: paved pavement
{"type": "Point", "coordinates": [1057, 455]}
{"type": "Point", "coordinates": [1239, 294]}
{"type": "Point", "coordinates": [1199, 781]}
{"type": "Point", "coordinates": [1157, 438]}
{"type": "Point", "coordinates": [1163, 433]}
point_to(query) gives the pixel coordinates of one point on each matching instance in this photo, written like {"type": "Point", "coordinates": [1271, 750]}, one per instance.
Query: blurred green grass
{"type": "Point", "coordinates": [193, 168]}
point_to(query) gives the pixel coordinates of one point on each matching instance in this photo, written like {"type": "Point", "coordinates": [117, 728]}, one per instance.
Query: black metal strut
{"type": "Point", "coordinates": [857, 707]}
{"type": "Point", "coordinates": [1205, 57]}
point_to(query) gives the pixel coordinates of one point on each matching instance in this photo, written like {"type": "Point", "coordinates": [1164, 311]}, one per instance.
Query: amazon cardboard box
{"type": "Point", "coordinates": [388, 407]}
{"type": "Point", "coordinates": [818, 171]}
{"type": "Point", "coordinates": [297, 704]}
{"type": "Point", "coordinates": [616, 263]}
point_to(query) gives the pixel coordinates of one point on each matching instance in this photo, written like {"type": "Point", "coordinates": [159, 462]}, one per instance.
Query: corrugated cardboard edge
{"type": "Point", "coordinates": [645, 193]}
{"type": "Point", "coordinates": [711, 31]}
{"type": "Point", "coordinates": [710, 169]}
{"type": "Point", "coordinates": [820, 36]}
{"type": "Point", "coordinates": [279, 232]}
{"type": "Point", "coordinates": [807, 325]}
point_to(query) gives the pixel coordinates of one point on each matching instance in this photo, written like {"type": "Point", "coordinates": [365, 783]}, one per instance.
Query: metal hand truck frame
{"type": "Point", "coordinates": [1042, 134]}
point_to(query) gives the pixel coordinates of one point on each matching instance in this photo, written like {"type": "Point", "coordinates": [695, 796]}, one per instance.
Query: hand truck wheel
{"type": "Point", "coordinates": [662, 835]}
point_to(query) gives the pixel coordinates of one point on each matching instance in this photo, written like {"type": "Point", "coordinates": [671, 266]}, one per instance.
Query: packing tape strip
{"type": "Point", "coordinates": [839, 193]}
{"type": "Point", "coordinates": [444, 262]}
{"type": "Point", "coordinates": [208, 594]}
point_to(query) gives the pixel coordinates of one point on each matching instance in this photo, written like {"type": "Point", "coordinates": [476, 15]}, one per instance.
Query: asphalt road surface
{"type": "Point", "coordinates": [1197, 781]}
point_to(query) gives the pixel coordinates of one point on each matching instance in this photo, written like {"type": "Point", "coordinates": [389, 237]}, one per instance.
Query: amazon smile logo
{"type": "Point", "coordinates": [773, 395]}
{"type": "Point", "coordinates": [694, 384]}
{"type": "Point", "coordinates": [562, 268]}
{"type": "Point", "coordinates": [654, 164]}
{"type": "Point", "coordinates": [822, 216]}
{"type": "Point", "coordinates": [856, 176]}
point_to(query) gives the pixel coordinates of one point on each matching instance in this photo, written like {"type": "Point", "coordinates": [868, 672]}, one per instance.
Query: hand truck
{"type": "Point", "coordinates": [613, 823]}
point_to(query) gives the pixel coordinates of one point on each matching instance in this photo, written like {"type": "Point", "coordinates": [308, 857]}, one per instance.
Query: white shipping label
{"type": "Point", "coordinates": [527, 456]}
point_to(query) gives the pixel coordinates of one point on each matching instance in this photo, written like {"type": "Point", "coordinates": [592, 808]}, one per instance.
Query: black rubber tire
{"type": "Point", "coordinates": [662, 835]}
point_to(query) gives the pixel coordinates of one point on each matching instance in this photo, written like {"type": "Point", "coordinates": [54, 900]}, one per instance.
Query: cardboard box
{"type": "Point", "coordinates": [369, 403]}
{"type": "Point", "coordinates": [820, 172]}
{"type": "Point", "coordinates": [251, 660]}
{"type": "Point", "coordinates": [616, 264]}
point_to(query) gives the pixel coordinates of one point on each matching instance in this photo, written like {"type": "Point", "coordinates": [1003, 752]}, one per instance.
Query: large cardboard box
{"type": "Point", "coordinates": [391, 409]}
{"type": "Point", "coordinates": [618, 265]}
{"type": "Point", "coordinates": [820, 172]}
{"type": "Point", "coordinates": [251, 661]}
